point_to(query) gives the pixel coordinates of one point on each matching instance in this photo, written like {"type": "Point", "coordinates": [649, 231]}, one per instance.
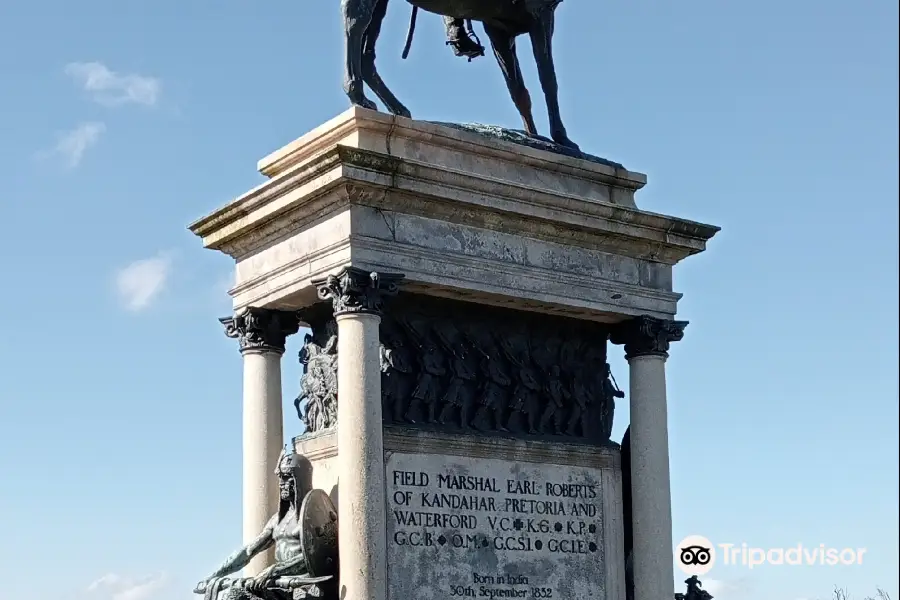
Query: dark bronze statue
{"type": "Point", "coordinates": [459, 397]}
{"type": "Point", "coordinates": [493, 393]}
{"type": "Point", "coordinates": [464, 42]}
{"type": "Point", "coordinates": [693, 590]}
{"type": "Point", "coordinates": [398, 372]}
{"type": "Point", "coordinates": [429, 388]}
{"type": "Point", "coordinates": [304, 534]}
{"type": "Point", "coordinates": [503, 21]}
{"type": "Point", "coordinates": [447, 366]}
{"type": "Point", "coordinates": [557, 398]}
{"type": "Point", "coordinates": [317, 403]}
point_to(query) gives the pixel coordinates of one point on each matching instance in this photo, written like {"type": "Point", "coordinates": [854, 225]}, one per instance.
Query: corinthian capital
{"type": "Point", "coordinates": [356, 290]}
{"type": "Point", "coordinates": [647, 336]}
{"type": "Point", "coordinates": [261, 328]}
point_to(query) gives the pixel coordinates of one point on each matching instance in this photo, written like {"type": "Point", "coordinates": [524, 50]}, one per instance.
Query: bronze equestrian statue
{"type": "Point", "coordinates": [503, 21]}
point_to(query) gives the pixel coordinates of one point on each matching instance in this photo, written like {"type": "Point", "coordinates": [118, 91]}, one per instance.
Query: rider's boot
{"type": "Point", "coordinates": [458, 39]}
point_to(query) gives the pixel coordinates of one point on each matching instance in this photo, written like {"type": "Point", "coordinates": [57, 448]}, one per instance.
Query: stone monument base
{"type": "Point", "coordinates": [465, 271]}
{"type": "Point", "coordinates": [469, 516]}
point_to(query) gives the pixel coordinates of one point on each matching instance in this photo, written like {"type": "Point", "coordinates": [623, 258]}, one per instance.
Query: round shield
{"type": "Point", "coordinates": [319, 534]}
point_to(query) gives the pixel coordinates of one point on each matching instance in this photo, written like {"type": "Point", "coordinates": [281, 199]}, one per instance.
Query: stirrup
{"type": "Point", "coordinates": [476, 50]}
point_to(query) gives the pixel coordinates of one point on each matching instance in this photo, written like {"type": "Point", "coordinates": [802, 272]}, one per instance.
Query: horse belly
{"type": "Point", "coordinates": [476, 10]}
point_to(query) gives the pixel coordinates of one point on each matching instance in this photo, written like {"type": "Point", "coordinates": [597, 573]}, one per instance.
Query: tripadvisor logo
{"type": "Point", "coordinates": [696, 555]}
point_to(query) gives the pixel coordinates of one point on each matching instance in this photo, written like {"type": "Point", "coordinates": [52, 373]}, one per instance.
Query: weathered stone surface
{"type": "Point", "coordinates": [411, 450]}
{"type": "Point", "coordinates": [486, 528]}
{"type": "Point", "coordinates": [462, 215]}
{"type": "Point", "coordinates": [498, 225]}
{"type": "Point", "coordinates": [455, 149]}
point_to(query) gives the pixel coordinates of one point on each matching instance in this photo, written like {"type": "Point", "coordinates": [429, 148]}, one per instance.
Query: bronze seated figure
{"type": "Point", "coordinates": [304, 535]}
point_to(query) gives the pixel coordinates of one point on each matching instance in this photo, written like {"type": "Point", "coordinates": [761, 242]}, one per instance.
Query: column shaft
{"type": "Point", "coordinates": [263, 440]}
{"type": "Point", "coordinates": [650, 489]}
{"type": "Point", "coordinates": [646, 340]}
{"type": "Point", "coordinates": [261, 333]}
{"type": "Point", "coordinates": [361, 503]}
{"type": "Point", "coordinates": [357, 297]}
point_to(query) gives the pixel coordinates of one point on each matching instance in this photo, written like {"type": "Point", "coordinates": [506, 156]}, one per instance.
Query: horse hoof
{"type": "Point", "coordinates": [402, 111]}
{"type": "Point", "coordinates": [565, 142]}
{"type": "Point", "coordinates": [364, 102]}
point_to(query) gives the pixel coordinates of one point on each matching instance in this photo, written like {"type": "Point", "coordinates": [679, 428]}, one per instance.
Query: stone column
{"type": "Point", "coordinates": [357, 296]}
{"type": "Point", "coordinates": [261, 333]}
{"type": "Point", "coordinates": [646, 340]}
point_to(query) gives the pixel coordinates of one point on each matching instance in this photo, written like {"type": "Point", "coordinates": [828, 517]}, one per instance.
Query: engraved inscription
{"type": "Point", "coordinates": [476, 528]}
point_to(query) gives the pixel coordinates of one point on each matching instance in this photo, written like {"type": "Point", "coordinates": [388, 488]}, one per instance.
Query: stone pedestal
{"type": "Point", "coordinates": [461, 420]}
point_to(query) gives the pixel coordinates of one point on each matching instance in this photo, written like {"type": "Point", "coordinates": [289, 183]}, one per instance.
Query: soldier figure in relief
{"type": "Point", "coordinates": [429, 388]}
{"type": "Point", "coordinates": [460, 393]}
{"type": "Point", "coordinates": [397, 372]}
{"type": "Point", "coordinates": [558, 396]}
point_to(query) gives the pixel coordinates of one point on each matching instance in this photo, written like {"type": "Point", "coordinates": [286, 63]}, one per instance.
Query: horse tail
{"type": "Point", "coordinates": [412, 30]}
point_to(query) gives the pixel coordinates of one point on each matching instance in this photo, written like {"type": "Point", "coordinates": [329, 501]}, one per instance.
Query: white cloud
{"type": "Point", "coordinates": [72, 145]}
{"type": "Point", "coordinates": [117, 587]}
{"type": "Point", "coordinates": [111, 88]}
{"type": "Point", "coordinates": [141, 282]}
{"type": "Point", "coordinates": [108, 580]}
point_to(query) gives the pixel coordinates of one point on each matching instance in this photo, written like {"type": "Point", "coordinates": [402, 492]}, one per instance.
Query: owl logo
{"type": "Point", "coordinates": [695, 555]}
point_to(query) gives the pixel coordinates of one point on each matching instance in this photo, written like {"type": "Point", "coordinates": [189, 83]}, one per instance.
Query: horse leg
{"type": "Point", "coordinates": [369, 72]}
{"type": "Point", "coordinates": [504, 46]}
{"type": "Point", "coordinates": [357, 15]}
{"type": "Point", "coordinates": [541, 42]}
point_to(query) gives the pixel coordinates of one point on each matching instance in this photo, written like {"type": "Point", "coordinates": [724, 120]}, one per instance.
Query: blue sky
{"type": "Point", "coordinates": [122, 122]}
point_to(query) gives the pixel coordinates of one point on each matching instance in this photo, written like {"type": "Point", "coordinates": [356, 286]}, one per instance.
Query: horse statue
{"type": "Point", "coordinates": [503, 21]}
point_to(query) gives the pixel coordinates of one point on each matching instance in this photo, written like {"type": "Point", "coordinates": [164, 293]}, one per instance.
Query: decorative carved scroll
{"type": "Point", "coordinates": [261, 328]}
{"type": "Point", "coordinates": [647, 336]}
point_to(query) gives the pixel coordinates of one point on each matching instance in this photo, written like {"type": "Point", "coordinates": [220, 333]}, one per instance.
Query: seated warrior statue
{"type": "Point", "coordinates": [304, 534]}
{"type": "Point", "coordinates": [458, 39]}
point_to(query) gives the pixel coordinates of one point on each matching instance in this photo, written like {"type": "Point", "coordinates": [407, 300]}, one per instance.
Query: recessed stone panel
{"type": "Point", "coordinates": [460, 527]}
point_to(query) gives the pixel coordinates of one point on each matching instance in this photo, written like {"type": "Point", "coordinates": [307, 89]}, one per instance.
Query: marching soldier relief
{"type": "Point", "coordinates": [448, 365]}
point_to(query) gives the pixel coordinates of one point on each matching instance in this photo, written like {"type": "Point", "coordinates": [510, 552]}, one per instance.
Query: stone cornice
{"type": "Point", "coordinates": [349, 127]}
{"type": "Point", "coordinates": [343, 175]}
{"type": "Point", "coordinates": [356, 123]}
{"type": "Point", "coordinates": [402, 439]}
{"type": "Point", "coordinates": [321, 446]}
